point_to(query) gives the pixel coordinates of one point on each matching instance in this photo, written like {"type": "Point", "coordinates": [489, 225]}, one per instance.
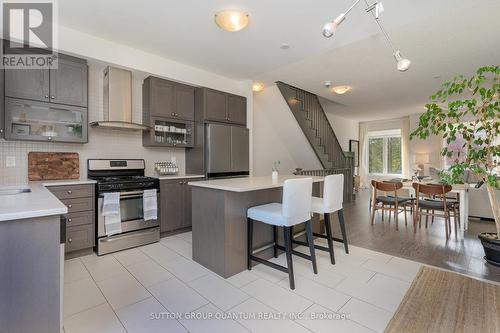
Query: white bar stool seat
{"type": "Point", "coordinates": [295, 209]}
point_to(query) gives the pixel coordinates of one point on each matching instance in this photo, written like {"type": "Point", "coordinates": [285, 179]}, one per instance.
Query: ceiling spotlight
{"type": "Point", "coordinates": [330, 28]}
{"type": "Point", "coordinates": [403, 63]}
{"type": "Point", "coordinates": [340, 90]}
{"type": "Point", "coordinates": [257, 86]}
{"type": "Point", "coordinates": [231, 20]}
{"type": "Point", "coordinates": [284, 46]}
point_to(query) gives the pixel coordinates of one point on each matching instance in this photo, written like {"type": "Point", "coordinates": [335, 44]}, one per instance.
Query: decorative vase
{"type": "Point", "coordinates": [274, 176]}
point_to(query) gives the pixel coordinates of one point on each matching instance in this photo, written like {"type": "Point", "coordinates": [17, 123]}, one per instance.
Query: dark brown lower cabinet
{"type": "Point", "coordinates": [175, 204]}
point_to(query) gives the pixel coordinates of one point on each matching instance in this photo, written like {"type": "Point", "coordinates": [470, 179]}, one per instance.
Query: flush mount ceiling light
{"type": "Point", "coordinates": [257, 86]}
{"type": "Point", "coordinates": [375, 9]}
{"type": "Point", "coordinates": [231, 20]}
{"type": "Point", "coordinates": [340, 90]}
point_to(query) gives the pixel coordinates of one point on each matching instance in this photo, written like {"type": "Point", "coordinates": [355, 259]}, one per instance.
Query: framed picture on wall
{"type": "Point", "coordinates": [354, 148]}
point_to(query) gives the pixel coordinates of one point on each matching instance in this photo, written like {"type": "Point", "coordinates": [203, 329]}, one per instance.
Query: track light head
{"type": "Point", "coordinates": [330, 28]}
{"type": "Point", "coordinates": [403, 64]}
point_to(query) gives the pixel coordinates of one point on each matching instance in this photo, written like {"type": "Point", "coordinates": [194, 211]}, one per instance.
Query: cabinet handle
{"type": "Point", "coordinates": [70, 205]}
{"type": "Point", "coordinates": [49, 138]}
{"type": "Point", "coordinates": [69, 191]}
{"type": "Point", "coordinates": [53, 97]}
{"type": "Point", "coordinates": [70, 220]}
{"type": "Point", "coordinates": [70, 240]}
{"type": "Point", "coordinates": [46, 96]}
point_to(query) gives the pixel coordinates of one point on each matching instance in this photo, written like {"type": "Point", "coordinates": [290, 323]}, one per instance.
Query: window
{"type": "Point", "coordinates": [384, 152]}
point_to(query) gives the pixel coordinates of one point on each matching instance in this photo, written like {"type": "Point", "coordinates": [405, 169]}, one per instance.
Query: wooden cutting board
{"type": "Point", "coordinates": [53, 166]}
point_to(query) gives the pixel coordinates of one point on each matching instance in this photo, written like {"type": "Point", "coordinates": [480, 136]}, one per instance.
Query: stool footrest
{"type": "Point", "coordinates": [297, 253]}
{"type": "Point", "coordinates": [340, 240]}
{"type": "Point", "coordinates": [269, 263]}
{"type": "Point", "coordinates": [319, 247]}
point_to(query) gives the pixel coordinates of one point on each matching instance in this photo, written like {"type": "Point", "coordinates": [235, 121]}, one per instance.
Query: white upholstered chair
{"type": "Point", "coordinates": [294, 209]}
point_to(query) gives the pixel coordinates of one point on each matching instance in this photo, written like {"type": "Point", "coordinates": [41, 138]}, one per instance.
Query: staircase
{"type": "Point", "coordinates": [312, 119]}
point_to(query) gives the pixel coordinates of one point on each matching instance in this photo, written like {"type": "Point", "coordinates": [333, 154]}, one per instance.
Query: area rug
{"type": "Point", "coordinates": [441, 301]}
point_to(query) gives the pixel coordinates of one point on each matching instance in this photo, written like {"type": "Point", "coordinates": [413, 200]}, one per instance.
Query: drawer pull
{"type": "Point", "coordinates": [69, 191]}
{"type": "Point", "coordinates": [70, 205]}
{"type": "Point", "coordinates": [70, 240]}
{"type": "Point", "coordinates": [70, 220]}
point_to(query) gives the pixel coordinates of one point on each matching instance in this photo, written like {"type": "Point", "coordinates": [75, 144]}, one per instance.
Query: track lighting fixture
{"type": "Point", "coordinates": [375, 9]}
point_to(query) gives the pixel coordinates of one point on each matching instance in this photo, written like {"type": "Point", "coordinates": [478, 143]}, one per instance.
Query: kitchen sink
{"type": "Point", "coordinates": [12, 190]}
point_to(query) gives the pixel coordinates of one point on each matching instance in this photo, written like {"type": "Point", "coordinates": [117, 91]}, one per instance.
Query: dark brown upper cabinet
{"type": "Point", "coordinates": [66, 84]}
{"type": "Point", "coordinates": [218, 106]}
{"type": "Point", "coordinates": [32, 84]}
{"type": "Point", "coordinates": [167, 99]}
{"type": "Point", "coordinates": [237, 109]}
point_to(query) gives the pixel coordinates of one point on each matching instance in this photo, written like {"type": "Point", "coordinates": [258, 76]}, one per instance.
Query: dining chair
{"type": "Point", "coordinates": [391, 203]}
{"type": "Point", "coordinates": [435, 205]}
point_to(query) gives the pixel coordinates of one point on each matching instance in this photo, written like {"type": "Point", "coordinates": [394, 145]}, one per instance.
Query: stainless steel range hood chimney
{"type": "Point", "coordinates": [118, 101]}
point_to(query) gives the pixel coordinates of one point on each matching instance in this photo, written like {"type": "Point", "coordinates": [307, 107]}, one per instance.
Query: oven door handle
{"type": "Point", "coordinates": [129, 194]}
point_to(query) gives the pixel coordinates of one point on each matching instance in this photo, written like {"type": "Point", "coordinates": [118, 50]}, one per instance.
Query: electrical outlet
{"type": "Point", "coordinates": [10, 161]}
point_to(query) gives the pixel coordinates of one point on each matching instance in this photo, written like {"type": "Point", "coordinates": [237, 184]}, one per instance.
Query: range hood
{"type": "Point", "coordinates": [118, 101]}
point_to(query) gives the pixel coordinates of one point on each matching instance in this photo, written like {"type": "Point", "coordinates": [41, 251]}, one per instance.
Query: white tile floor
{"type": "Point", "coordinates": [158, 288]}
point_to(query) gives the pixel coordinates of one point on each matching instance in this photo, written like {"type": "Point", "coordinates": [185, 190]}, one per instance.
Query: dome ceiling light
{"type": "Point", "coordinates": [375, 9]}
{"type": "Point", "coordinates": [231, 20]}
{"type": "Point", "coordinates": [340, 90]}
{"type": "Point", "coordinates": [257, 86]}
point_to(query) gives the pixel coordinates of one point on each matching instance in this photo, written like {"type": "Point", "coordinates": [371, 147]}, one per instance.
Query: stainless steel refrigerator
{"type": "Point", "coordinates": [226, 151]}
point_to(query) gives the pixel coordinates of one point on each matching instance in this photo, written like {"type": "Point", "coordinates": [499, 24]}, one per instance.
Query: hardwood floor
{"type": "Point", "coordinates": [462, 254]}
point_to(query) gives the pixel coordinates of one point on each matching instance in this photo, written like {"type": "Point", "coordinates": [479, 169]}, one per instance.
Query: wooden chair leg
{"type": "Point", "coordinates": [396, 216]}
{"type": "Point", "coordinates": [427, 218]}
{"type": "Point", "coordinates": [275, 235]}
{"type": "Point", "coordinates": [249, 243]}
{"type": "Point", "coordinates": [343, 230]}
{"type": "Point", "coordinates": [432, 219]}
{"type": "Point", "coordinates": [310, 242]}
{"type": "Point", "coordinates": [389, 213]}
{"type": "Point", "coordinates": [289, 261]}
{"type": "Point", "coordinates": [374, 209]}
{"type": "Point", "coordinates": [446, 225]}
{"type": "Point", "coordinates": [383, 211]}
{"type": "Point", "coordinates": [406, 217]}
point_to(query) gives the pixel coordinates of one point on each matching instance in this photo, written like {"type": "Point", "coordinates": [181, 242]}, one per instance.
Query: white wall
{"type": "Point", "coordinates": [113, 143]}
{"type": "Point", "coordinates": [432, 146]}
{"type": "Point", "coordinates": [277, 136]}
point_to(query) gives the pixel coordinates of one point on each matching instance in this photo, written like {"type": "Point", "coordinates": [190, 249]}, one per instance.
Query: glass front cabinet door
{"type": "Point", "coordinates": [39, 121]}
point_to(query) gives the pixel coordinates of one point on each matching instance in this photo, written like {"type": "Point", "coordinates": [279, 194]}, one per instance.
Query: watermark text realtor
{"type": "Point", "coordinates": [28, 34]}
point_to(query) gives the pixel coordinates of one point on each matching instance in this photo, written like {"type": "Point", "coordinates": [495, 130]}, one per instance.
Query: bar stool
{"type": "Point", "coordinates": [296, 209]}
{"type": "Point", "coordinates": [333, 197]}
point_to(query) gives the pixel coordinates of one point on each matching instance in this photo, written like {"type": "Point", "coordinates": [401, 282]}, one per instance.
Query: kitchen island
{"type": "Point", "coordinates": [219, 209]}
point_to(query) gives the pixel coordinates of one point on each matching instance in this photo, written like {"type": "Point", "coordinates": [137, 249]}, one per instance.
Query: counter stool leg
{"type": "Point", "coordinates": [310, 242]}
{"type": "Point", "coordinates": [249, 243]}
{"type": "Point", "coordinates": [329, 237]}
{"type": "Point", "coordinates": [275, 234]}
{"type": "Point", "coordinates": [289, 262]}
{"type": "Point", "coordinates": [342, 229]}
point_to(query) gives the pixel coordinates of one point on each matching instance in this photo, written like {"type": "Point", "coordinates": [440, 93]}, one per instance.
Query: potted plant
{"type": "Point", "coordinates": [467, 110]}
{"type": "Point", "coordinates": [274, 173]}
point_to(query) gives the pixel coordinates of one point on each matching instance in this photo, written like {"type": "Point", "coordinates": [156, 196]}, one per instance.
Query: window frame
{"type": "Point", "coordinates": [385, 135]}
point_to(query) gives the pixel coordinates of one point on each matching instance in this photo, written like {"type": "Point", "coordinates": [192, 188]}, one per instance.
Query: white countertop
{"type": "Point", "coordinates": [180, 176]}
{"type": "Point", "coordinates": [39, 202]}
{"type": "Point", "coordinates": [245, 184]}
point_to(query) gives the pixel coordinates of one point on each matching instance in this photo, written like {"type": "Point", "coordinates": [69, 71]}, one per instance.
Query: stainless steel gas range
{"type": "Point", "coordinates": [127, 178]}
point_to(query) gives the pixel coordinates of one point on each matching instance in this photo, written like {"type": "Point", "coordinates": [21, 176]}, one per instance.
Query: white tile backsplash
{"type": "Point", "coordinates": [103, 143]}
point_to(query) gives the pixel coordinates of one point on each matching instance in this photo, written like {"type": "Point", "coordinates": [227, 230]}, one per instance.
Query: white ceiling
{"type": "Point", "coordinates": [440, 37]}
